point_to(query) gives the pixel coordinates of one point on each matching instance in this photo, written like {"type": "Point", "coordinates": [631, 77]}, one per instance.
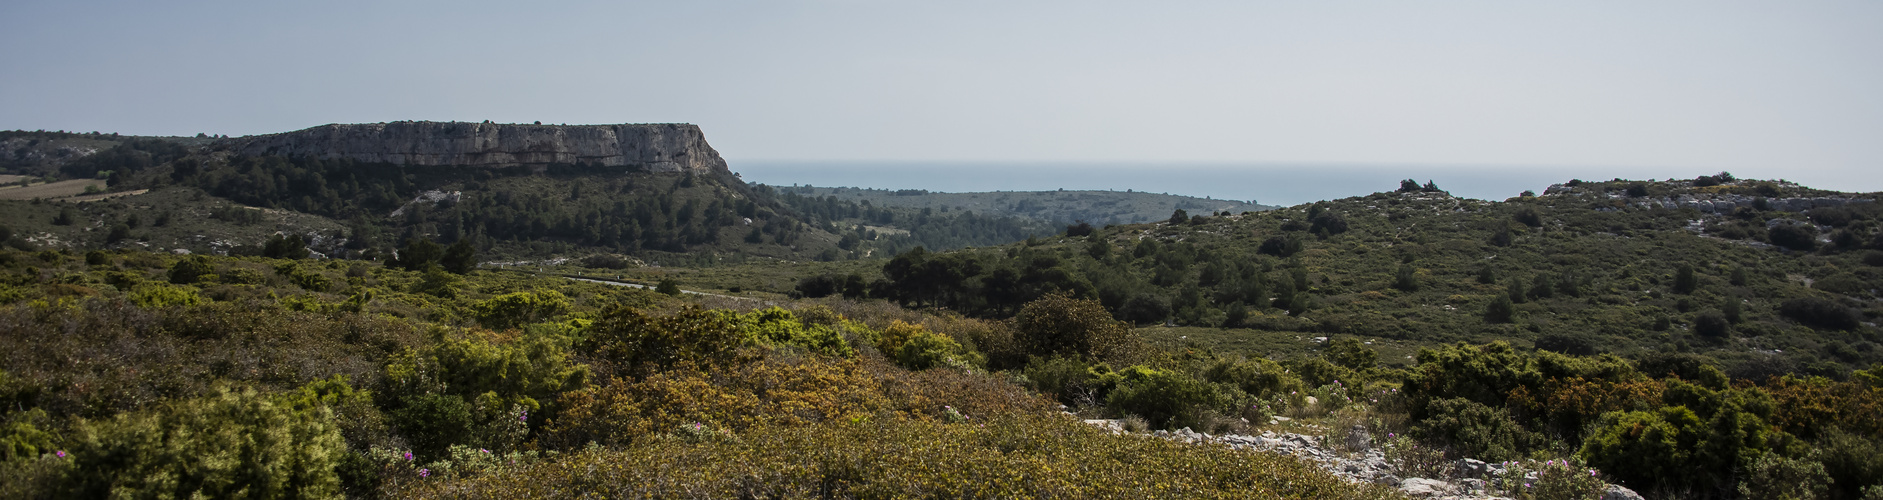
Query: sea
{"type": "Point", "coordinates": [1263, 183]}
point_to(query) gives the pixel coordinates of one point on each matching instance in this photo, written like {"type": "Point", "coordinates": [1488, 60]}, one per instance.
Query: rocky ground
{"type": "Point", "coordinates": [1366, 465]}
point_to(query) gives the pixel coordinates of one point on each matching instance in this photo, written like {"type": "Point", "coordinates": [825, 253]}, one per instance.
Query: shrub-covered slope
{"type": "Point", "coordinates": [1620, 267]}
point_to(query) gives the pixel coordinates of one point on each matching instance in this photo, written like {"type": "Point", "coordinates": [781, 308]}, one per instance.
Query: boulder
{"type": "Point", "coordinates": [1358, 439]}
{"type": "Point", "coordinates": [1617, 492]}
{"type": "Point", "coordinates": [1421, 487]}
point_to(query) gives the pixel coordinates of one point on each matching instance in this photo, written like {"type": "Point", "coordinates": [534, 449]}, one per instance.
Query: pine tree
{"type": "Point", "coordinates": [460, 257]}
{"type": "Point", "coordinates": [1684, 280]}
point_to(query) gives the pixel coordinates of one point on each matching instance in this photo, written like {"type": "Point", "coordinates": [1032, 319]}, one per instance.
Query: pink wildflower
{"type": "Point", "coordinates": [428, 473]}
{"type": "Point", "coordinates": [60, 453]}
{"type": "Point", "coordinates": [408, 456]}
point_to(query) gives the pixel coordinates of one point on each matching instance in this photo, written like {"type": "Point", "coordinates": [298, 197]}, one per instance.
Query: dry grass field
{"type": "Point", "coordinates": [50, 190]}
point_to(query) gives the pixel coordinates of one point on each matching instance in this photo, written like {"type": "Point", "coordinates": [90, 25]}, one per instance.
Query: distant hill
{"type": "Point", "coordinates": [1057, 207]}
{"type": "Point", "coordinates": [657, 191]}
{"type": "Point", "coordinates": [1763, 277]}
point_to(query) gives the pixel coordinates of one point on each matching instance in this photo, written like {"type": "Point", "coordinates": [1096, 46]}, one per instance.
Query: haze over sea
{"type": "Point", "coordinates": [1265, 183]}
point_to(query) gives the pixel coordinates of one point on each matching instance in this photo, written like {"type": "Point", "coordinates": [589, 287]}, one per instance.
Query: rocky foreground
{"type": "Point", "coordinates": [1366, 465]}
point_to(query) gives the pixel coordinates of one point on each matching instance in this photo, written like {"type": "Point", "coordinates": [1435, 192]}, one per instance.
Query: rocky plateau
{"type": "Point", "coordinates": [653, 147]}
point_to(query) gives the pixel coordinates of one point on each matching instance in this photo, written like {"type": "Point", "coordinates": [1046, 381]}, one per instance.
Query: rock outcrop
{"type": "Point", "coordinates": [654, 147]}
{"type": "Point", "coordinates": [1470, 479]}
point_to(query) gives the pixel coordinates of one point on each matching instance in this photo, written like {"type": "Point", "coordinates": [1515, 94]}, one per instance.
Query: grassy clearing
{"type": "Point", "coordinates": [51, 190]}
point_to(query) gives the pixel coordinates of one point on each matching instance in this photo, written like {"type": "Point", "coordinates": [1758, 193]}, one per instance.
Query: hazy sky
{"type": "Point", "coordinates": [1788, 89]}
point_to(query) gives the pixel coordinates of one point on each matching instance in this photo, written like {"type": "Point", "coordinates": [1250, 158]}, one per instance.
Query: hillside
{"type": "Point", "coordinates": [224, 376]}
{"type": "Point", "coordinates": [1737, 318]}
{"type": "Point", "coordinates": [658, 192]}
{"type": "Point", "coordinates": [1061, 207]}
{"type": "Point", "coordinates": [1590, 267]}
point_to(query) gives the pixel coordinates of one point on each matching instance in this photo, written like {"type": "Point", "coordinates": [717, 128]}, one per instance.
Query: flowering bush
{"type": "Point", "coordinates": [1408, 459]}
{"type": "Point", "coordinates": [697, 432]}
{"type": "Point", "coordinates": [1550, 480]}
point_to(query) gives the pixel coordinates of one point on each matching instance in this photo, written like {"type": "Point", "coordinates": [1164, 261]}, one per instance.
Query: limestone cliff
{"type": "Point", "coordinates": [654, 147]}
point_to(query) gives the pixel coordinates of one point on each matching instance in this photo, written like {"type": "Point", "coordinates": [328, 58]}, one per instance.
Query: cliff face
{"type": "Point", "coordinates": [655, 147]}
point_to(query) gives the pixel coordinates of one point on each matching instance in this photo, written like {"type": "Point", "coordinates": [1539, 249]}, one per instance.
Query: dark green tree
{"type": "Point", "coordinates": [289, 247]}
{"type": "Point", "coordinates": [418, 254]}
{"type": "Point", "coordinates": [1711, 324]}
{"type": "Point", "coordinates": [119, 232]}
{"type": "Point", "coordinates": [1501, 310]}
{"type": "Point", "coordinates": [1501, 237]}
{"type": "Point", "coordinates": [460, 257]}
{"type": "Point", "coordinates": [668, 286]}
{"type": "Point", "coordinates": [190, 269]}
{"type": "Point", "coordinates": [1179, 217]}
{"type": "Point", "coordinates": [1059, 324]}
{"type": "Point", "coordinates": [1351, 353]}
{"type": "Point", "coordinates": [1528, 216]}
{"type": "Point", "coordinates": [1684, 279]}
{"type": "Point", "coordinates": [1403, 280]}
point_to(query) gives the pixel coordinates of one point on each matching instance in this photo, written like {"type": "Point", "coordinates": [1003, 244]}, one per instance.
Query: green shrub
{"type": "Point", "coordinates": [1468, 429]}
{"type": "Point", "coordinates": [1852, 461]}
{"type": "Point", "coordinates": [1711, 324]}
{"type": "Point", "coordinates": [777, 326]}
{"type": "Point", "coordinates": [433, 422]}
{"type": "Point", "coordinates": [1499, 311]}
{"type": "Point", "coordinates": [307, 277]}
{"type": "Point", "coordinates": [190, 270]}
{"type": "Point", "coordinates": [25, 436]}
{"type": "Point", "coordinates": [928, 350]}
{"type": "Point", "coordinates": [1168, 399]}
{"type": "Point", "coordinates": [1319, 371]}
{"type": "Point", "coordinates": [1068, 380]}
{"type": "Point", "coordinates": [234, 444]}
{"type": "Point", "coordinates": [1258, 377]}
{"type": "Point", "coordinates": [497, 375]}
{"type": "Point", "coordinates": [242, 276]}
{"type": "Point", "coordinates": [1061, 325]}
{"type": "Point", "coordinates": [1777, 477]}
{"type": "Point", "coordinates": [1489, 373]}
{"type": "Point", "coordinates": [668, 286]}
{"type": "Point", "coordinates": [1644, 450]}
{"type": "Point", "coordinates": [151, 296]}
{"type": "Point", "coordinates": [629, 341]}
{"type": "Point", "coordinates": [437, 282]}
{"type": "Point", "coordinates": [1820, 313]}
{"type": "Point", "coordinates": [511, 310]}
{"type": "Point", "coordinates": [360, 422]}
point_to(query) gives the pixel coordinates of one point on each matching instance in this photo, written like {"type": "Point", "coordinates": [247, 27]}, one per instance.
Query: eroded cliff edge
{"type": "Point", "coordinates": [654, 147]}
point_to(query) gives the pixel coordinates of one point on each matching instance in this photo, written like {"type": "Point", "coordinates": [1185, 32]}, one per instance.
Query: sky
{"type": "Point", "coordinates": [1655, 89]}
